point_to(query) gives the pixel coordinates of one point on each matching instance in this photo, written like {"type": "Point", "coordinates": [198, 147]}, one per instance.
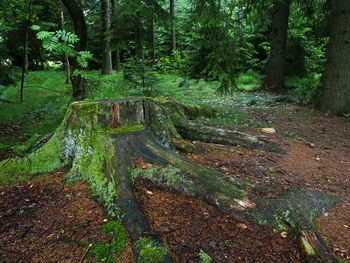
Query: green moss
{"type": "Point", "coordinates": [150, 251]}
{"type": "Point", "coordinates": [204, 257]}
{"type": "Point", "coordinates": [46, 159]}
{"type": "Point", "coordinates": [85, 108]}
{"type": "Point", "coordinates": [160, 123]}
{"type": "Point", "coordinates": [89, 164]}
{"type": "Point", "coordinates": [169, 176]}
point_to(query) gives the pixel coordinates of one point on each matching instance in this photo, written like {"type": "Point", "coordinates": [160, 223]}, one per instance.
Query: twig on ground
{"type": "Point", "coordinates": [86, 251]}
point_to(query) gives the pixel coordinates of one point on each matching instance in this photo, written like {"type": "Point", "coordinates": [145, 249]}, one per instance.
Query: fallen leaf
{"type": "Point", "coordinates": [149, 192]}
{"type": "Point", "coordinates": [346, 226]}
{"type": "Point", "coordinates": [284, 234]}
{"type": "Point", "coordinates": [241, 225]}
{"type": "Point", "coordinates": [141, 163]}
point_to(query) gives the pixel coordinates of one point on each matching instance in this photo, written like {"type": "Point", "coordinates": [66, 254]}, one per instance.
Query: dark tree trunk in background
{"type": "Point", "coordinates": [334, 96]}
{"type": "Point", "coordinates": [77, 15]}
{"type": "Point", "coordinates": [106, 25]}
{"type": "Point", "coordinates": [116, 46]}
{"type": "Point", "coordinates": [153, 40]}
{"type": "Point", "coordinates": [139, 51]}
{"type": "Point", "coordinates": [65, 57]}
{"type": "Point", "coordinates": [172, 25]}
{"type": "Point", "coordinates": [25, 49]}
{"type": "Point", "coordinates": [275, 68]}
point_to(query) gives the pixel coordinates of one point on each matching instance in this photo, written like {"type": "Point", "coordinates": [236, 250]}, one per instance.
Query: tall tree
{"type": "Point", "coordinates": [275, 68]}
{"type": "Point", "coordinates": [106, 25]}
{"type": "Point", "coordinates": [115, 4]}
{"type": "Point", "coordinates": [77, 15]}
{"type": "Point", "coordinates": [65, 57]}
{"type": "Point", "coordinates": [25, 46]}
{"type": "Point", "coordinates": [335, 91]}
{"type": "Point", "coordinates": [139, 36]}
{"type": "Point", "coordinates": [172, 25]}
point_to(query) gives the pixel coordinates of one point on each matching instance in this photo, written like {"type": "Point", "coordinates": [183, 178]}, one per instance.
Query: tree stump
{"type": "Point", "coordinates": [103, 141]}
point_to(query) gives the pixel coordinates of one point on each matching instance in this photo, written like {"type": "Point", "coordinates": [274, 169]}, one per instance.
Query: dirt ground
{"type": "Point", "coordinates": [42, 220]}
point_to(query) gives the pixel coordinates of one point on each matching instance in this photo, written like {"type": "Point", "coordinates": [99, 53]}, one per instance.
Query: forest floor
{"type": "Point", "coordinates": [43, 220]}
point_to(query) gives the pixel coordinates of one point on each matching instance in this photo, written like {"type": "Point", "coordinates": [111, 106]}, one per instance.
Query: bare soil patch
{"type": "Point", "coordinates": [41, 220]}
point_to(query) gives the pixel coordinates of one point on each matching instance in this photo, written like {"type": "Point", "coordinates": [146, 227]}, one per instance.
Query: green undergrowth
{"type": "Point", "coordinates": [45, 100]}
{"type": "Point", "coordinates": [113, 247]}
{"type": "Point", "coordinates": [150, 251]}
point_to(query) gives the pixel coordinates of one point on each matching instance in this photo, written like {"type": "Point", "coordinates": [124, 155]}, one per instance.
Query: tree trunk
{"type": "Point", "coordinates": [25, 50]}
{"type": "Point", "coordinates": [106, 26]}
{"type": "Point", "coordinates": [275, 68]}
{"type": "Point", "coordinates": [65, 57]}
{"type": "Point", "coordinates": [334, 95]}
{"type": "Point", "coordinates": [104, 141]}
{"type": "Point", "coordinates": [153, 40]}
{"type": "Point", "coordinates": [172, 25]}
{"type": "Point", "coordinates": [139, 50]}
{"type": "Point", "coordinates": [116, 46]}
{"type": "Point", "coordinates": [77, 15]}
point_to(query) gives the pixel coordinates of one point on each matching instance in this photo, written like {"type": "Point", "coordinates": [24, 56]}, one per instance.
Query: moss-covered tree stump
{"type": "Point", "coordinates": [102, 141]}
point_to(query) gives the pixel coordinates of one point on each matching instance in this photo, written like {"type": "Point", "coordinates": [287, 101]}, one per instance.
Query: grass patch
{"type": "Point", "coordinates": [113, 247]}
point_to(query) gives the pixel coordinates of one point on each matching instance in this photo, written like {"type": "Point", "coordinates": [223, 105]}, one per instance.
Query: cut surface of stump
{"type": "Point", "coordinates": [112, 143]}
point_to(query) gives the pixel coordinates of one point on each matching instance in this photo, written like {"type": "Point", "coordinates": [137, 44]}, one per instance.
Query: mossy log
{"type": "Point", "coordinates": [111, 143]}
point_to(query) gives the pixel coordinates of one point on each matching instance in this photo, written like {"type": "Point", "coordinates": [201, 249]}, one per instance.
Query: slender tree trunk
{"type": "Point", "coordinates": [172, 25]}
{"type": "Point", "coordinates": [77, 15]}
{"type": "Point", "coordinates": [25, 50]}
{"type": "Point", "coordinates": [153, 52]}
{"type": "Point", "coordinates": [139, 51]}
{"type": "Point", "coordinates": [106, 25]}
{"type": "Point", "coordinates": [65, 57]}
{"type": "Point", "coordinates": [275, 69]}
{"type": "Point", "coordinates": [334, 97]}
{"type": "Point", "coordinates": [116, 46]}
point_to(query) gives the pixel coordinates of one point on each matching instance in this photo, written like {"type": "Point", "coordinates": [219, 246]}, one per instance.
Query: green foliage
{"type": "Point", "coordinates": [204, 257]}
{"type": "Point", "coordinates": [61, 42]}
{"type": "Point", "coordinates": [141, 74]}
{"type": "Point", "coordinates": [22, 149]}
{"type": "Point", "coordinates": [305, 88]}
{"type": "Point", "coordinates": [150, 252]}
{"type": "Point", "coordinates": [2, 96]}
{"type": "Point", "coordinates": [248, 80]}
{"type": "Point", "coordinates": [172, 64]}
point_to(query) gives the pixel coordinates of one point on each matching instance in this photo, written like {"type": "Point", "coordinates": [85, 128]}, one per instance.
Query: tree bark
{"type": "Point", "coordinates": [116, 46]}
{"type": "Point", "coordinates": [65, 57]}
{"type": "Point", "coordinates": [334, 95]}
{"type": "Point", "coordinates": [153, 40]}
{"type": "Point", "coordinates": [172, 25]}
{"type": "Point", "coordinates": [77, 15]}
{"type": "Point", "coordinates": [104, 141]}
{"type": "Point", "coordinates": [139, 50]}
{"type": "Point", "coordinates": [106, 26]}
{"type": "Point", "coordinates": [275, 68]}
{"type": "Point", "coordinates": [25, 50]}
